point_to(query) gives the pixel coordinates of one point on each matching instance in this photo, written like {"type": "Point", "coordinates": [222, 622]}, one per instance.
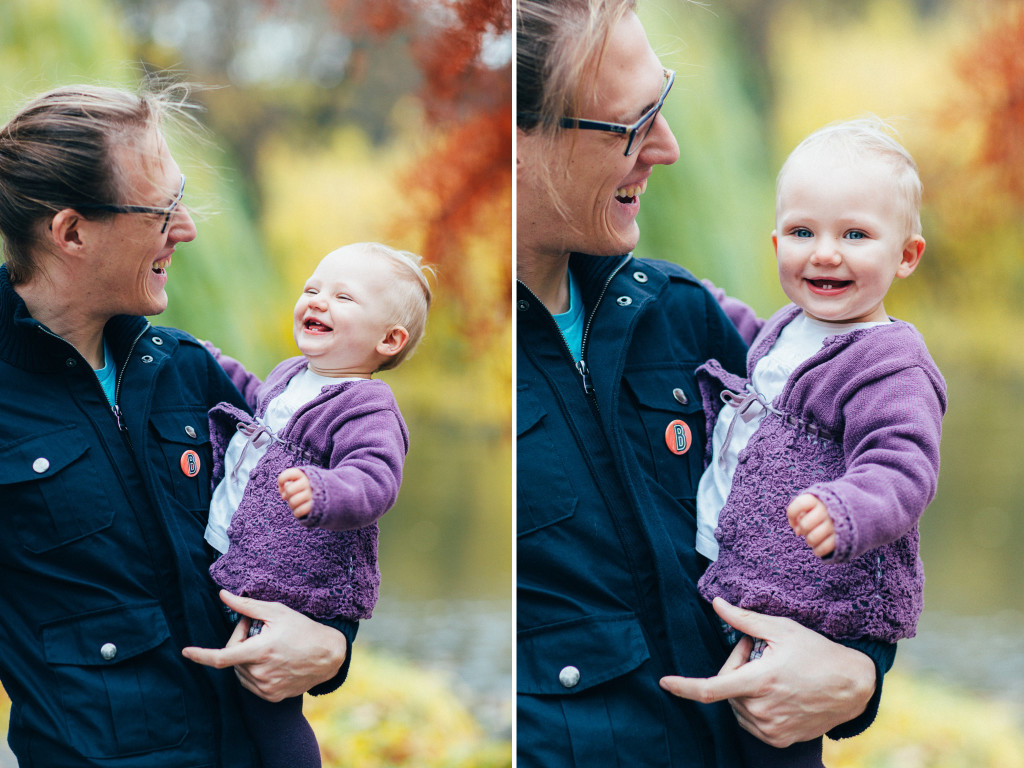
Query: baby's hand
{"type": "Point", "coordinates": [809, 518]}
{"type": "Point", "coordinates": [296, 490]}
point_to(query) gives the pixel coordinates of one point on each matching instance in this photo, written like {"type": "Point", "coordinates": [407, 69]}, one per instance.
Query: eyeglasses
{"type": "Point", "coordinates": [635, 133]}
{"type": "Point", "coordinates": [165, 212]}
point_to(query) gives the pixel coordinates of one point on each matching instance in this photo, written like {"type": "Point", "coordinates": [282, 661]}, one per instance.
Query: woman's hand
{"type": "Point", "coordinates": [803, 686]}
{"type": "Point", "coordinates": [289, 656]}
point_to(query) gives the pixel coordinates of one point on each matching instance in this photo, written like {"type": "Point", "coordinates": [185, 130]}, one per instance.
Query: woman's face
{"type": "Point", "coordinates": [132, 253]}
{"type": "Point", "coordinates": [597, 187]}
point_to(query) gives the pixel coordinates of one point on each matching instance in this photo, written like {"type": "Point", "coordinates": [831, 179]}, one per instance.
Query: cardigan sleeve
{"type": "Point", "coordinates": [891, 443]}
{"type": "Point", "coordinates": [364, 475]}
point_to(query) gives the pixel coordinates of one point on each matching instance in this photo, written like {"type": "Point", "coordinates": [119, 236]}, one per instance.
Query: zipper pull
{"type": "Point", "coordinates": [588, 385]}
{"type": "Point", "coordinates": [117, 415]}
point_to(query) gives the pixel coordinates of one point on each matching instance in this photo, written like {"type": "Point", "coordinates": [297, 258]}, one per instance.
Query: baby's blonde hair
{"type": "Point", "coordinates": [870, 135]}
{"type": "Point", "coordinates": [409, 296]}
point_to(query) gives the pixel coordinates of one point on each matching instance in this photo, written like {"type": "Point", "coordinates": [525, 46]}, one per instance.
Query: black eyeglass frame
{"type": "Point", "coordinates": [165, 212]}
{"type": "Point", "coordinates": [631, 131]}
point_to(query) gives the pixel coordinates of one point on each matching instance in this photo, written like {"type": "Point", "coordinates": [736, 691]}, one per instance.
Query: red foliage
{"type": "Point", "coordinates": [994, 73]}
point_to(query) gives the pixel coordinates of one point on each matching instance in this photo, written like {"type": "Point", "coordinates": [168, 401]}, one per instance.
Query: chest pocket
{"type": "Point", "coordinates": [52, 492]}
{"type": "Point", "coordinates": [183, 436]}
{"type": "Point", "coordinates": [665, 421]}
{"type": "Point", "coordinates": [544, 494]}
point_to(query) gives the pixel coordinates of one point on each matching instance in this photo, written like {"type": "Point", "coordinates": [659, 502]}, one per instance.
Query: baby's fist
{"type": "Point", "coordinates": [809, 518]}
{"type": "Point", "coordinates": [295, 489]}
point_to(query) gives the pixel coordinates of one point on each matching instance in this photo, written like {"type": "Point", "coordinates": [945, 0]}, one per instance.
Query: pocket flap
{"type": "Point", "coordinates": [528, 411]}
{"type": "Point", "coordinates": [40, 456]}
{"type": "Point", "coordinates": [188, 427]}
{"type": "Point", "coordinates": [105, 637]}
{"type": "Point", "coordinates": [573, 656]}
{"type": "Point", "coordinates": [657, 388]}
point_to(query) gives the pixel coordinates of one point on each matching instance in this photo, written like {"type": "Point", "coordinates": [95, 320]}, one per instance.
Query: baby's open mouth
{"type": "Point", "coordinates": [828, 284]}
{"type": "Point", "coordinates": [315, 326]}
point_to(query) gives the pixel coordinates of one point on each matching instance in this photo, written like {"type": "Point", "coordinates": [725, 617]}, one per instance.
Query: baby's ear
{"type": "Point", "coordinates": [394, 342]}
{"type": "Point", "coordinates": [913, 249]}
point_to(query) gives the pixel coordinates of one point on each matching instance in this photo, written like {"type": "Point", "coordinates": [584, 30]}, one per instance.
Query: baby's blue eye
{"type": "Point", "coordinates": [855, 234]}
{"type": "Point", "coordinates": [802, 232]}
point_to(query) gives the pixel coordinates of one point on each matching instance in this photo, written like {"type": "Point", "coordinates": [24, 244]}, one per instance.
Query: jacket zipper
{"type": "Point", "coordinates": [115, 408]}
{"type": "Point", "coordinates": [581, 364]}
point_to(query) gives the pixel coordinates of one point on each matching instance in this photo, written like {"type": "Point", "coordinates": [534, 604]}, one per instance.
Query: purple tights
{"type": "Point", "coordinates": [282, 735]}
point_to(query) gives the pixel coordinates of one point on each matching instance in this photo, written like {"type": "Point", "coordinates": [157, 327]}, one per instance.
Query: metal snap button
{"type": "Point", "coordinates": [40, 465]}
{"type": "Point", "coordinates": [190, 431]}
{"type": "Point", "coordinates": [640, 277]}
{"type": "Point", "coordinates": [623, 301]}
{"type": "Point", "coordinates": [108, 651]}
{"type": "Point", "coordinates": [523, 305]}
{"type": "Point", "coordinates": [147, 358]}
{"type": "Point", "coordinates": [70, 362]}
{"type": "Point", "coordinates": [569, 677]}
{"type": "Point", "coordinates": [158, 341]}
{"type": "Point", "coordinates": [680, 396]}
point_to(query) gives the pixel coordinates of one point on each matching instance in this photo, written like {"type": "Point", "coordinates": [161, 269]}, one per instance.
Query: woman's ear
{"type": "Point", "coordinates": [65, 231]}
{"type": "Point", "coordinates": [394, 342]}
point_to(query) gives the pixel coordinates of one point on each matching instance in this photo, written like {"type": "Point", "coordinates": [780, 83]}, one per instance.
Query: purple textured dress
{"type": "Point", "coordinates": [859, 427]}
{"type": "Point", "coordinates": [351, 442]}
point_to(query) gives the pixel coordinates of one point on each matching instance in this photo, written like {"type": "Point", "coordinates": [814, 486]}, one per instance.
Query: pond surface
{"type": "Point", "coordinates": [972, 536]}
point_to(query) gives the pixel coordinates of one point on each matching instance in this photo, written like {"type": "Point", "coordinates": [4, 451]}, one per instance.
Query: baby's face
{"type": "Point", "coordinates": [841, 236]}
{"type": "Point", "coordinates": [342, 315]}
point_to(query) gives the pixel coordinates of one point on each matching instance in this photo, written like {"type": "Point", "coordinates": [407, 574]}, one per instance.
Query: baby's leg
{"type": "Point", "coordinates": [282, 735]}
{"type": "Point", "coordinates": [757, 754]}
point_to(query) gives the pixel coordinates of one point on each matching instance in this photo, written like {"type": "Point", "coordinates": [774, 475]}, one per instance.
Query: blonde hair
{"type": "Point", "coordinates": [869, 135]}
{"type": "Point", "coordinates": [59, 152]}
{"type": "Point", "coordinates": [409, 296]}
{"type": "Point", "coordinates": [559, 45]}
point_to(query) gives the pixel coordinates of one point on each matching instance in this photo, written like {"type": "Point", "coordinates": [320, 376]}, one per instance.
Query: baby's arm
{"type": "Point", "coordinates": [891, 442]}
{"type": "Point", "coordinates": [809, 518]}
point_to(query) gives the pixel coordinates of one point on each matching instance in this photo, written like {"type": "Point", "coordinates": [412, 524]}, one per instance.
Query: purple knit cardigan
{"type": "Point", "coordinates": [860, 430]}
{"type": "Point", "coordinates": [351, 441]}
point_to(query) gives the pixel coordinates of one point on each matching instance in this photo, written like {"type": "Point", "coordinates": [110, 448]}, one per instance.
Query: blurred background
{"type": "Point", "coordinates": [756, 76]}
{"type": "Point", "coordinates": [329, 122]}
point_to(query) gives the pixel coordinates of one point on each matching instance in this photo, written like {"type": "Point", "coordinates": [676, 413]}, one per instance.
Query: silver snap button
{"type": "Point", "coordinates": [569, 677]}
{"type": "Point", "coordinates": [190, 431]}
{"type": "Point", "coordinates": [640, 277]}
{"type": "Point", "coordinates": [147, 358]}
{"type": "Point", "coordinates": [623, 301]}
{"type": "Point", "coordinates": [70, 362]}
{"type": "Point", "coordinates": [523, 305]}
{"type": "Point", "coordinates": [40, 465]}
{"type": "Point", "coordinates": [108, 651]}
{"type": "Point", "coordinates": [158, 341]}
{"type": "Point", "coordinates": [680, 396]}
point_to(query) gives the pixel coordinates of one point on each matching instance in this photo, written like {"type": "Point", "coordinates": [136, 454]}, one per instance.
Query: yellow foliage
{"type": "Point", "coordinates": [389, 713]}
{"type": "Point", "coordinates": [924, 724]}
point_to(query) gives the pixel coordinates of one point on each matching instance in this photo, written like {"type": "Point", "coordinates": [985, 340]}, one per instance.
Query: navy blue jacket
{"type": "Point", "coordinates": [609, 456]}
{"type": "Point", "coordinates": [103, 570]}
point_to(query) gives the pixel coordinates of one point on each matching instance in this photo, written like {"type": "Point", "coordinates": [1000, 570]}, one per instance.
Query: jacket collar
{"type": "Point", "coordinates": [28, 344]}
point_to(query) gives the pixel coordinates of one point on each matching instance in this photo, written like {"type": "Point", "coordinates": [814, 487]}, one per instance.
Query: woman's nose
{"type": "Point", "coordinates": [660, 146]}
{"type": "Point", "coordinates": [182, 228]}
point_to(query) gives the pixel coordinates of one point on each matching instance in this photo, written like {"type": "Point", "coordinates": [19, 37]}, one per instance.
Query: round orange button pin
{"type": "Point", "coordinates": [678, 437]}
{"type": "Point", "coordinates": [190, 463]}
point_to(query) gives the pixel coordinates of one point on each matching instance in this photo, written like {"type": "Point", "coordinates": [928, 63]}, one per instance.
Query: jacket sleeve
{"type": "Point", "coordinates": [364, 476]}
{"type": "Point", "coordinates": [883, 655]}
{"type": "Point", "coordinates": [891, 443]}
{"type": "Point", "coordinates": [747, 323]}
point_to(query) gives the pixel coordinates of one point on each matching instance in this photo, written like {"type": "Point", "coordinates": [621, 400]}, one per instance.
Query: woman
{"type": "Point", "coordinates": [611, 442]}
{"type": "Point", "coordinates": [105, 461]}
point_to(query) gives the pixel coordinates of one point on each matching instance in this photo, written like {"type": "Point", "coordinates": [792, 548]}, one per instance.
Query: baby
{"type": "Point", "coordinates": [301, 485]}
{"type": "Point", "coordinates": [835, 433]}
